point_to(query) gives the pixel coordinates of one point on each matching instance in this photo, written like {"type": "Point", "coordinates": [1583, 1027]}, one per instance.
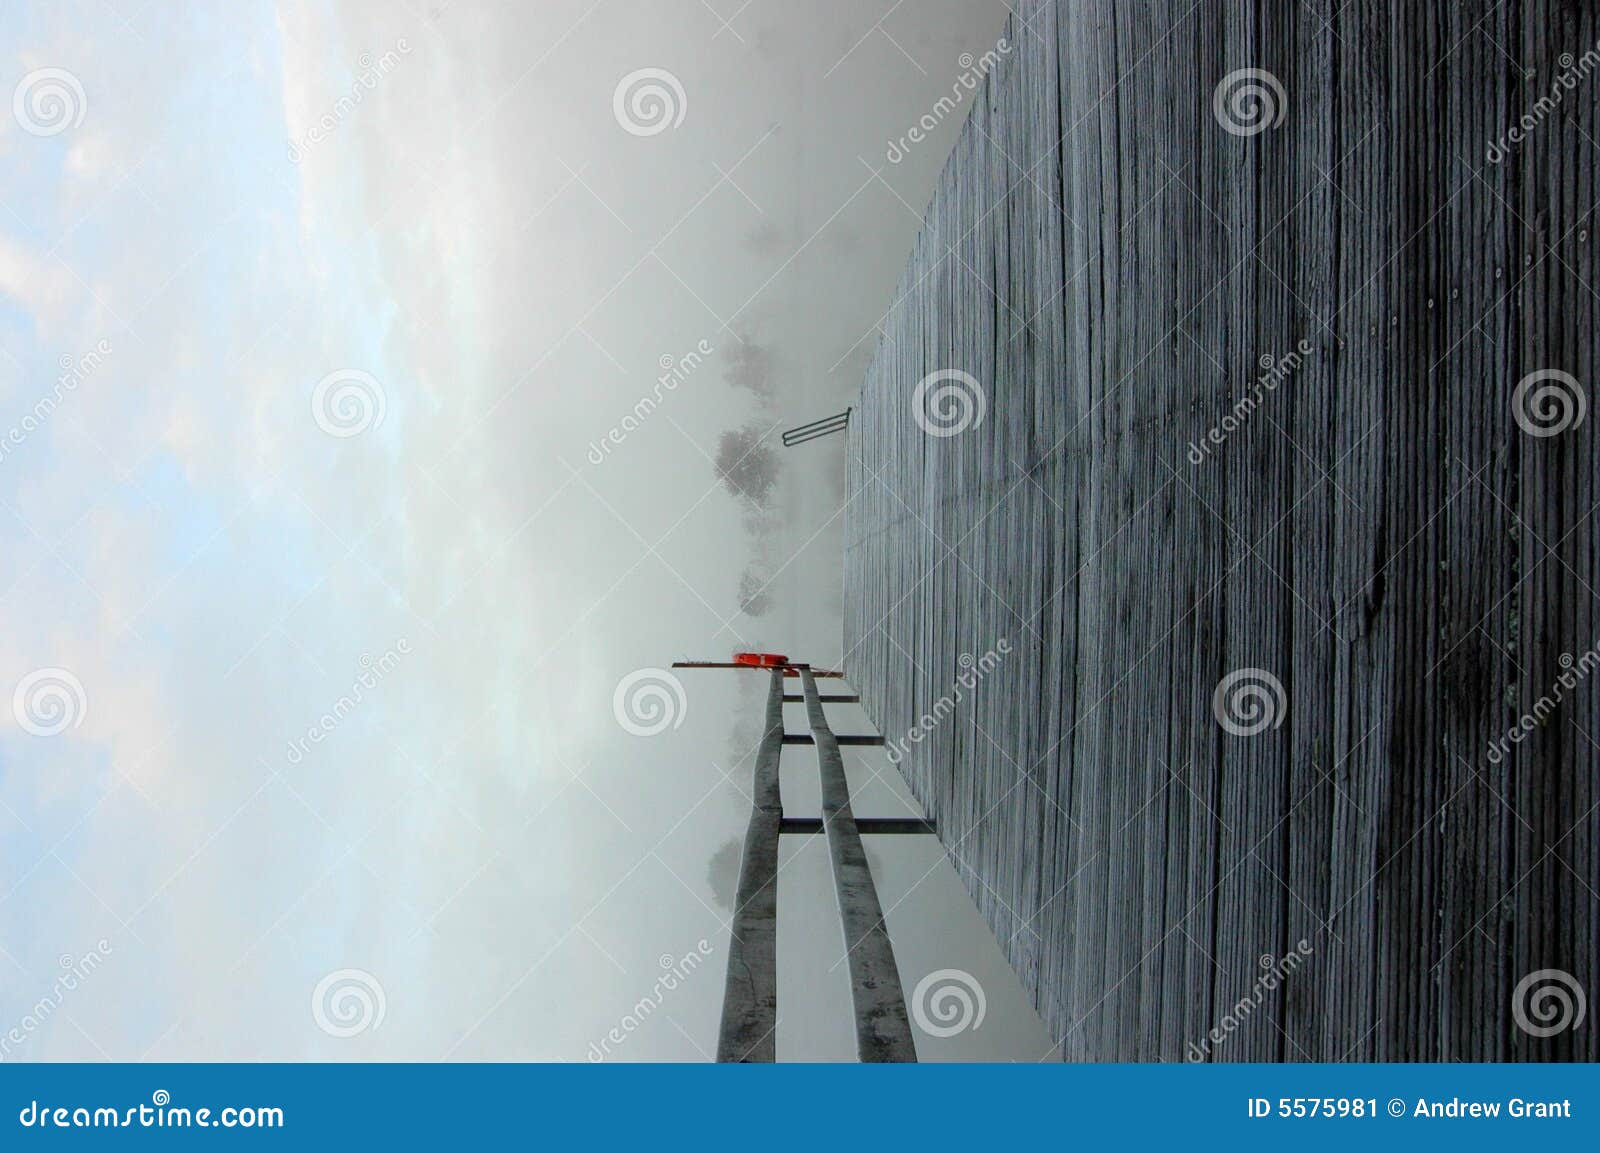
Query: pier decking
{"type": "Point", "coordinates": [1263, 661]}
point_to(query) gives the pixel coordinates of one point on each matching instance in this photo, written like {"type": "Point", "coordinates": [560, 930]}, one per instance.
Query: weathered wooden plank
{"type": "Point", "coordinates": [750, 998]}
{"type": "Point", "coordinates": [883, 1030]}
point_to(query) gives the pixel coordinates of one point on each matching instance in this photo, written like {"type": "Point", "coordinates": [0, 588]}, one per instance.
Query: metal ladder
{"type": "Point", "coordinates": [827, 426]}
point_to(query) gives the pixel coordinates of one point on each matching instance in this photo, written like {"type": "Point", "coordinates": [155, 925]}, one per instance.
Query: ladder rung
{"type": "Point", "coordinates": [843, 739]}
{"type": "Point", "coordinates": [838, 699]}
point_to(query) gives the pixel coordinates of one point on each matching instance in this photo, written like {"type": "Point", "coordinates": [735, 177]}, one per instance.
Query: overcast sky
{"type": "Point", "coordinates": [323, 335]}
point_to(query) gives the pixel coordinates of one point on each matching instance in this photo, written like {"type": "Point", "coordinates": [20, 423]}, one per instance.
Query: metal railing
{"type": "Point", "coordinates": [750, 999]}
{"type": "Point", "coordinates": [827, 426]}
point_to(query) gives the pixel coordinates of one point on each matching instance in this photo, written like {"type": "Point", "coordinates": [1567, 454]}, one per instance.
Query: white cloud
{"type": "Point", "coordinates": [479, 236]}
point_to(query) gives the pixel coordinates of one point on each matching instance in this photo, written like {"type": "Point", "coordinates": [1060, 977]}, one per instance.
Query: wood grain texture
{"type": "Point", "coordinates": [1376, 532]}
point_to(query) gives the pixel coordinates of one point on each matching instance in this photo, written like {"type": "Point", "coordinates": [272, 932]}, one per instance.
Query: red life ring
{"type": "Point", "coordinates": [760, 660]}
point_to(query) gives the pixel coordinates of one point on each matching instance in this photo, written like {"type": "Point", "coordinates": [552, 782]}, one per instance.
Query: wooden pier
{"type": "Point", "coordinates": [1246, 480]}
